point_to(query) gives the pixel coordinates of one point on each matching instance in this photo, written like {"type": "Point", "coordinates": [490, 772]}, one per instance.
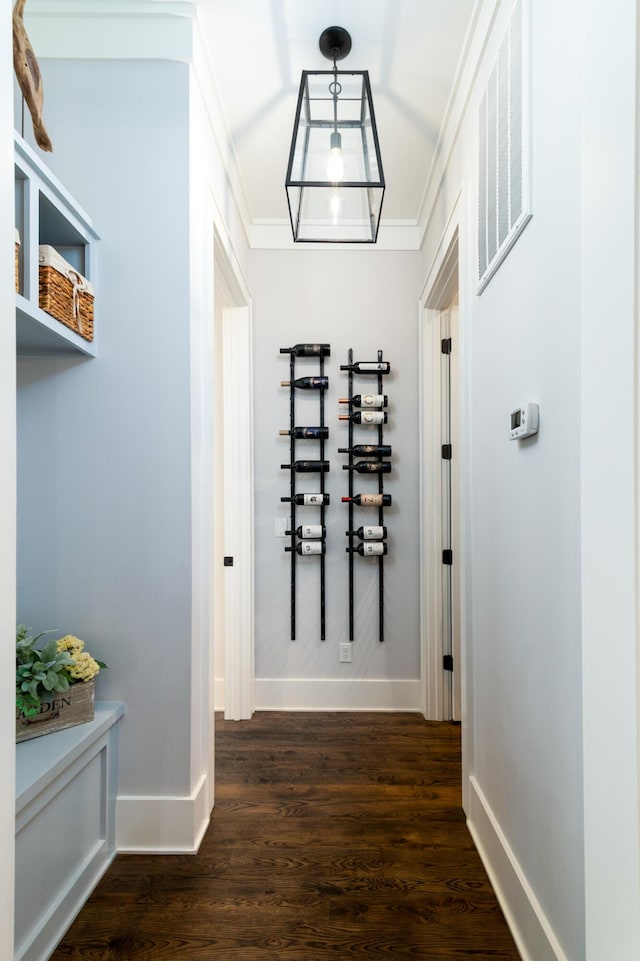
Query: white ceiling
{"type": "Point", "coordinates": [411, 49]}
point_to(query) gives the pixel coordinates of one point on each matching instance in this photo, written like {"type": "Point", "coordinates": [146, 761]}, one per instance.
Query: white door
{"type": "Point", "coordinates": [232, 676]}
{"type": "Point", "coordinates": [450, 511]}
{"type": "Point", "coordinates": [440, 521]}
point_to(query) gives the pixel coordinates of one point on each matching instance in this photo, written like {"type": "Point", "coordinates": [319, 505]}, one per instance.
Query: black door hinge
{"type": "Point", "coordinates": [228, 562]}
{"type": "Point", "coordinates": [446, 345]}
{"type": "Point", "coordinates": [447, 556]}
{"type": "Point", "coordinates": [447, 662]}
{"type": "Point", "coordinates": [446, 451]}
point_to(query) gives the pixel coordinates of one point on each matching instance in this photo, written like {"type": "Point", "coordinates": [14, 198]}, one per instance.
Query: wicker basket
{"type": "Point", "coordinates": [64, 293]}
{"type": "Point", "coordinates": [17, 259]}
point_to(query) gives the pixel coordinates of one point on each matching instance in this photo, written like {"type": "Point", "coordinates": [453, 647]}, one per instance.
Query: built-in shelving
{"type": "Point", "coordinates": [45, 213]}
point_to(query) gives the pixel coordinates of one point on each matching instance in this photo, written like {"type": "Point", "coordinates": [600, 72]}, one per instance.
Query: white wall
{"type": "Point", "coordinates": [218, 239]}
{"type": "Point", "coordinates": [104, 446]}
{"type": "Point", "coordinates": [609, 492]}
{"type": "Point", "coordinates": [7, 487]}
{"type": "Point", "coordinates": [522, 342]}
{"type": "Point", "coordinates": [135, 539]}
{"type": "Point", "coordinates": [365, 299]}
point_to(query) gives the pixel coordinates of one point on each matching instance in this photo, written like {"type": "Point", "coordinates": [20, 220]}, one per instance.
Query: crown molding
{"type": "Point", "coordinates": [111, 29]}
{"type": "Point", "coordinates": [276, 235]}
{"type": "Point", "coordinates": [89, 9]}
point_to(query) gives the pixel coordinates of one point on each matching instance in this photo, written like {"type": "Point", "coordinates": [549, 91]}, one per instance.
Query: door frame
{"type": "Point", "coordinates": [443, 282]}
{"type": "Point", "coordinates": [449, 497]}
{"type": "Point", "coordinates": [436, 298]}
{"type": "Point", "coordinates": [236, 541]}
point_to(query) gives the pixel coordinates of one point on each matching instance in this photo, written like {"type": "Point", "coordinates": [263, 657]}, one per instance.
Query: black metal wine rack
{"type": "Point", "coordinates": [367, 369]}
{"type": "Point", "coordinates": [320, 351]}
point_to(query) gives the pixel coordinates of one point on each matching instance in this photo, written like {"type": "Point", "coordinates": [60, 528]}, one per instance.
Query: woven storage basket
{"type": "Point", "coordinates": [17, 257]}
{"type": "Point", "coordinates": [64, 293]}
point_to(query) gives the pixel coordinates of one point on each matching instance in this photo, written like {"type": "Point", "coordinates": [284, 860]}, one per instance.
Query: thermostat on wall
{"type": "Point", "coordinates": [524, 421]}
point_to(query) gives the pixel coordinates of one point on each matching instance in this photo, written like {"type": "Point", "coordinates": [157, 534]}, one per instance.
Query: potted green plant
{"type": "Point", "coordinates": [54, 683]}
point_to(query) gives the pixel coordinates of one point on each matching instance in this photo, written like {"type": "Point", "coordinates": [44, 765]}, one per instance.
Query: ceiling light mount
{"type": "Point", "coordinates": [335, 43]}
{"type": "Point", "coordinates": [335, 184]}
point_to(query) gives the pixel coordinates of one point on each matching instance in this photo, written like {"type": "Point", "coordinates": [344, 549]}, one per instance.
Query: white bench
{"type": "Point", "coordinates": [66, 786]}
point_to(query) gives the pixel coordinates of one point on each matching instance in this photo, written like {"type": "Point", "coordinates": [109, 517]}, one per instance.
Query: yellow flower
{"type": "Point", "coordinates": [70, 643]}
{"type": "Point", "coordinates": [84, 668]}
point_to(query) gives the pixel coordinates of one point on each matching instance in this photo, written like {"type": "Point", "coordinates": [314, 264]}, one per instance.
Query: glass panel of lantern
{"type": "Point", "coordinates": [335, 182]}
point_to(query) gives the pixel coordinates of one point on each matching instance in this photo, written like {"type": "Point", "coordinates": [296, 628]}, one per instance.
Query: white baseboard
{"type": "Point", "coordinates": [529, 925]}
{"type": "Point", "coordinates": [218, 694]}
{"type": "Point", "coordinates": [162, 825]}
{"type": "Point", "coordinates": [284, 694]}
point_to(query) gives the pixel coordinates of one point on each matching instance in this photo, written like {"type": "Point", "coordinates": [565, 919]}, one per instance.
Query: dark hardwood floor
{"type": "Point", "coordinates": [335, 837]}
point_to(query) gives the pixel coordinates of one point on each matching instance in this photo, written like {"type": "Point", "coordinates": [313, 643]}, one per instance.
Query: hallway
{"type": "Point", "coordinates": [334, 836]}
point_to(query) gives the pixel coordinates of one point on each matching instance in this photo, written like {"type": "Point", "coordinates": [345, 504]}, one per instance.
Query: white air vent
{"type": "Point", "coordinates": [503, 141]}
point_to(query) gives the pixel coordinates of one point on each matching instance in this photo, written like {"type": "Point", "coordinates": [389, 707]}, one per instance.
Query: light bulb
{"type": "Point", "coordinates": [335, 165]}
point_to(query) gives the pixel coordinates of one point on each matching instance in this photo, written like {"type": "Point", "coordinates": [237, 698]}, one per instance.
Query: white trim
{"type": "Point", "coordinates": [78, 776]}
{"type": "Point", "coordinates": [450, 258]}
{"type": "Point", "coordinates": [529, 925]}
{"type": "Point", "coordinates": [227, 263]}
{"type": "Point", "coordinates": [473, 50]}
{"type": "Point", "coordinates": [205, 76]}
{"type": "Point", "coordinates": [162, 825]}
{"type": "Point", "coordinates": [276, 235]}
{"type": "Point", "coordinates": [430, 513]}
{"type": "Point", "coordinates": [238, 512]}
{"type": "Point", "coordinates": [203, 479]}
{"type": "Point", "coordinates": [284, 694]}
{"type": "Point", "coordinates": [236, 422]}
{"type": "Point", "coordinates": [436, 280]}
{"type": "Point", "coordinates": [112, 8]}
{"type": "Point", "coordinates": [218, 693]}
{"type": "Point", "coordinates": [7, 482]}
{"type": "Point", "coordinates": [526, 213]}
{"type": "Point", "coordinates": [439, 288]}
{"type": "Point", "coordinates": [609, 384]}
{"type": "Point", "coordinates": [111, 29]}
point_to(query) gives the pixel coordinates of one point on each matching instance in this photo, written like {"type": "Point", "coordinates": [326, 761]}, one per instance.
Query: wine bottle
{"type": "Point", "coordinates": [367, 450]}
{"type": "Point", "coordinates": [308, 500]}
{"type": "Point", "coordinates": [368, 367]}
{"type": "Point", "coordinates": [309, 531]}
{"type": "Point", "coordinates": [365, 417]}
{"type": "Point", "coordinates": [307, 466]}
{"type": "Point", "coordinates": [307, 433]}
{"type": "Point", "coordinates": [370, 467]}
{"type": "Point", "coordinates": [368, 548]}
{"type": "Point", "coordinates": [366, 400]}
{"type": "Point", "coordinates": [308, 547]}
{"type": "Point", "coordinates": [307, 350]}
{"type": "Point", "coordinates": [370, 500]}
{"type": "Point", "coordinates": [370, 533]}
{"type": "Point", "coordinates": [307, 383]}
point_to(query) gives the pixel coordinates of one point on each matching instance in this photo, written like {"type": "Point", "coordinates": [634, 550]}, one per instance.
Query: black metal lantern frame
{"type": "Point", "coordinates": [335, 182]}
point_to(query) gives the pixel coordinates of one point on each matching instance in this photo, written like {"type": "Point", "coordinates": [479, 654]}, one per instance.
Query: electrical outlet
{"type": "Point", "coordinates": [345, 653]}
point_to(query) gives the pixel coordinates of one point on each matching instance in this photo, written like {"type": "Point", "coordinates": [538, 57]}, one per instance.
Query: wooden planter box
{"type": "Point", "coordinates": [73, 707]}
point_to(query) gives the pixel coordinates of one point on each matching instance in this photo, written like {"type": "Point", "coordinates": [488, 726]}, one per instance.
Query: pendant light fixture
{"type": "Point", "coordinates": [335, 182]}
